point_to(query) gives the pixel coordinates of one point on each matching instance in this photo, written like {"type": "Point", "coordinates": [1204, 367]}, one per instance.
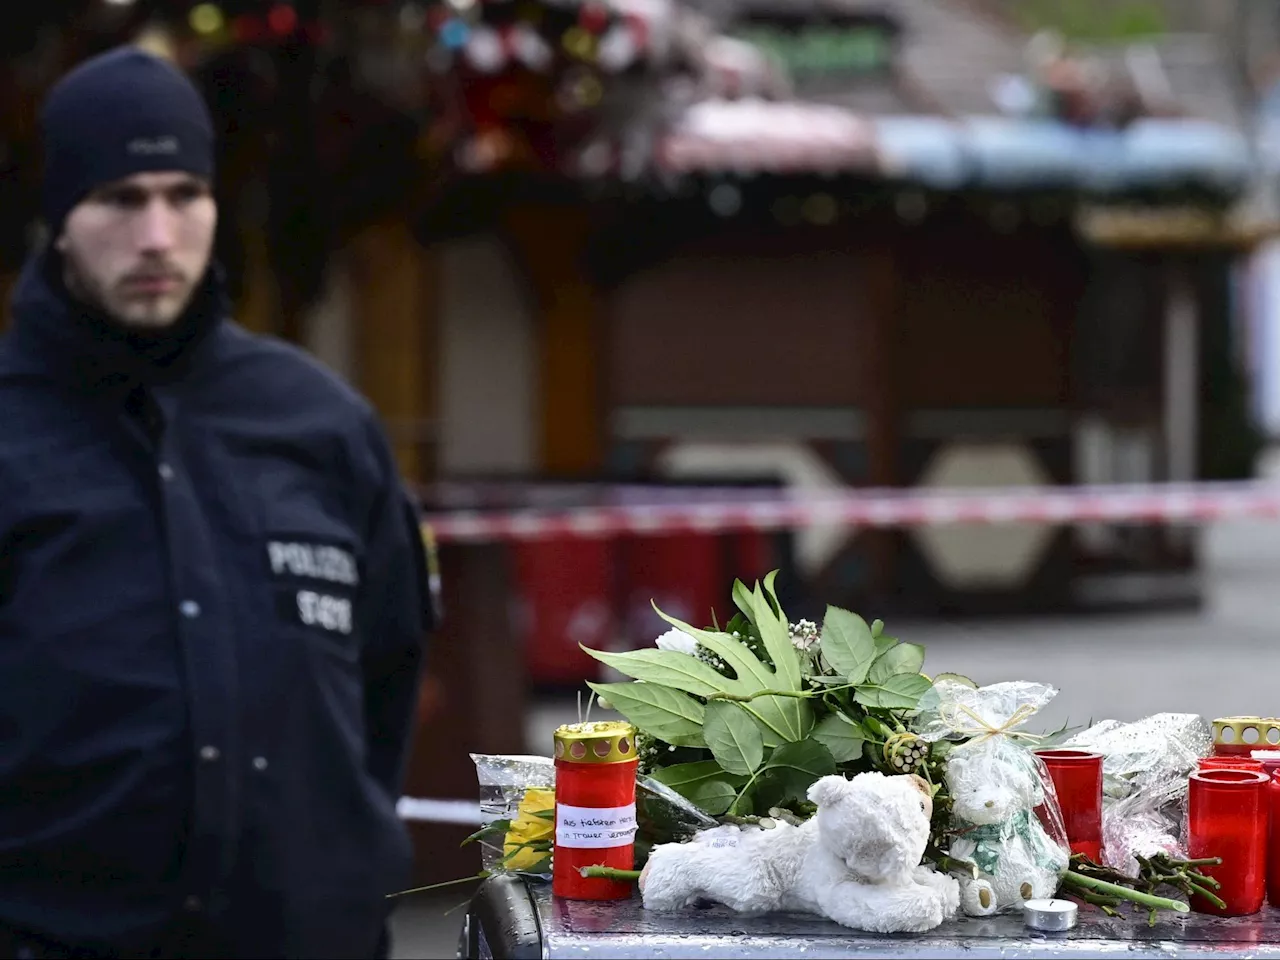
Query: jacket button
{"type": "Point", "coordinates": [189, 609]}
{"type": "Point", "coordinates": [210, 754]}
{"type": "Point", "coordinates": [166, 471]}
{"type": "Point", "coordinates": [260, 763]}
{"type": "Point", "coordinates": [193, 904]}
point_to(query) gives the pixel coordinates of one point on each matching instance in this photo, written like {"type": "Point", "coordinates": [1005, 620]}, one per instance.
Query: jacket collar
{"type": "Point", "coordinates": [78, 344]}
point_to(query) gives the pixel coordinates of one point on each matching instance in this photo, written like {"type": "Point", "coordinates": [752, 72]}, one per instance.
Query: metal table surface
{"type": "Point", "coordinates": [510, 917]}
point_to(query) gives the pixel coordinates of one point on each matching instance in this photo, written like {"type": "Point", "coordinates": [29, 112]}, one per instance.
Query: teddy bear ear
{"type": "Point", "coordinates": [920, 783]}
{"type": "Point", "coordinates": [828, 790]}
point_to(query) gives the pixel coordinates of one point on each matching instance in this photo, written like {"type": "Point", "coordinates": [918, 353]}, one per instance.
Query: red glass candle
{"type": "Point", "coordinates": [1233, 749]}
{"type": "Point", "coordinates": [1273, 840]}
{"type": "Point", "coordinates": [1227, 817]}
{"type": "Point", "coordinates": [595, 808]}
{"type": "Point", "coordinates": [1228, 762]}
{"type": "Point", "coordinates": [1077, 780]}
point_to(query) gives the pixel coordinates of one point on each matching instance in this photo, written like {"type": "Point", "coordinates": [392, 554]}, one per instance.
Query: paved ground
{"type": "Point", "coordinates": [1220, 661]}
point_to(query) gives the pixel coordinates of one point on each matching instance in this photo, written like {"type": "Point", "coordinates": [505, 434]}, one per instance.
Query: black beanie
{"type": "Point", "coordinates": [114, 115]}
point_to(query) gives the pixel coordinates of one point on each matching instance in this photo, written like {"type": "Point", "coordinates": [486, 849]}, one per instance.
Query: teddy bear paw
{"type": "Point", "coordinates": [978, 899]}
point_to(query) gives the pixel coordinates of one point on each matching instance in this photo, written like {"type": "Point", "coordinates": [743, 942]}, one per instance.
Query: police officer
{"type": "Point", "coordinates": [212, 599]}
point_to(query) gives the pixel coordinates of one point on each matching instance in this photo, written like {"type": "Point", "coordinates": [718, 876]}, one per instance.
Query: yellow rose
{"type": "Point", "coordinates": [534, 824]}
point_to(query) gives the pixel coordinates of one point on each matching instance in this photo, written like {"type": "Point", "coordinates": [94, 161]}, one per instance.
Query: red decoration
{"type": "Point", "coordinates": [247, 30]}
{"type": "Point", "coordinates": [593, 18]}
{"type": "Point", "coordinates": [1227, 813]}
{"type": "Point", "coordinates": [282, 19]}
{"type": "Point", "coordinates": [316, 33]}
{"type": "Point", "coordinates": [595, 810]}
{"type": "Point", "coordinates": [1077, 779]}
{"type": "Point", "coordinates": [639, 31]}
{"type": "Point", "coordinates": [437, 17]}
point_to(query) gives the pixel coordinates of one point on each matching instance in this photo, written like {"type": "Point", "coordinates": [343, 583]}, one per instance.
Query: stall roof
{"type": "Point", "coordinates": [979, 152]}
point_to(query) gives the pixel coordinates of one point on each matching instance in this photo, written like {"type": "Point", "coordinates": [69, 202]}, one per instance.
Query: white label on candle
{"type": "Point", "coordinates": [590, 828]}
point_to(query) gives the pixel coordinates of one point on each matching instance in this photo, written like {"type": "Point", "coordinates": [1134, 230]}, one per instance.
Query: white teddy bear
{"type": "Point", "coordinates": [995, 787]}
{"type": "Point", "coordinates": [857, 861]}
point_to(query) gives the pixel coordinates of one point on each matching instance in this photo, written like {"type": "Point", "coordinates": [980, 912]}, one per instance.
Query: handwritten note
{"type": "Point", "coordinates": [589, 828]}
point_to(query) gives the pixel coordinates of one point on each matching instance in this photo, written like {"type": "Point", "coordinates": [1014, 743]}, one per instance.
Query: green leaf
{"type": "Point", "coordinates": [877, 627]}
{"type": "Point", "coordinates": [904, 658]}
{"type": "Point", "coordinates": [685, 776]}
{"type": "Point", "coordinates": [537, 846]}
{"type": "Point", "coordinates": [784, 719]}
{"type": "Point", "coordinates": [900, 692]}
{"type": "Point", "coordinates": [876, 726]}
{"type": "Point", "coordinates": [824, 680]}
{"type": "Point", "coordinates": [841, 736]}
{"type": "Point", "coordinates": [703, 783]}
{"type": "Point", "coordinates": [797, 765]}
{"type": "Point", "coordinates": [714, 797]}
{"type": "Point", "coordinates": [847, 644]}
{"type": "Point", "coordinates": [733, 737]}
{"type": "Point", "coordinates": [742, 599]}
{"type": "Point", "coordinates": [775, 633]}
{"type": "Point", "coordinates": [772, 596]}
{"type": "Point", "coordinates": [667, 667]}
{"type": "Point", "coordinates": [659, 711]}
{"type": "Point", "coordinates": [884, 643]}
{"type": "Point", "coordinates": [538, 867]}
{"type": "Point", "coordinates": [745, 802]}
{"type": "Point", "coordinates": [767, 792]}
{"type": "Point", "coordinates": [493, 828]}
{"type": "Point", "coordinates": [746, 666]}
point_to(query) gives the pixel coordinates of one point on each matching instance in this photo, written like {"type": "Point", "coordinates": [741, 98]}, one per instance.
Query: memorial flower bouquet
{"type": "Point", "coordinates": [741, 719]}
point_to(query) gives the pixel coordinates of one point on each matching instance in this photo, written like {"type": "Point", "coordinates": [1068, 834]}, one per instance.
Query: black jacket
{"type": "Point", "coordinates": [212, 613]}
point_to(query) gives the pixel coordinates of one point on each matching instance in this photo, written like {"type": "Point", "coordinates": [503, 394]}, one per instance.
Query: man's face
{"type": "Point", "coordinates": [137, 248]}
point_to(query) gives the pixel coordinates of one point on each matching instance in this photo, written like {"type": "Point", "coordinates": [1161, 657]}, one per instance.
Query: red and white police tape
{"type": "Point", "coordinates": [789, 510]}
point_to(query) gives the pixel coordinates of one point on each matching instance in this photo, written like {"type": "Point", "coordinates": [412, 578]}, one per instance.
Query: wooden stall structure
{"type": "Point", "coordinates": [773, 241]}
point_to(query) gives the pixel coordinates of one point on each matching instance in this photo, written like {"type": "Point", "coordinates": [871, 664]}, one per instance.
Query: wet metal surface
{"type": "Point", "coordinates": [579, 929]}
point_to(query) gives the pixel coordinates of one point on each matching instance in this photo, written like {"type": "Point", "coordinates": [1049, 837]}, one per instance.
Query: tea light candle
{"type": "Point", "coordinates": [1050, 915]}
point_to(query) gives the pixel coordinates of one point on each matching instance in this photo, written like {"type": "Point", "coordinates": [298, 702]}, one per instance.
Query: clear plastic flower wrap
{"type": "Point", "coordinates": [1005, 817]}
{"type": "Point", "coordinates": [517, 813]}
{"type": "Point", "coordinates": [1144, 783]}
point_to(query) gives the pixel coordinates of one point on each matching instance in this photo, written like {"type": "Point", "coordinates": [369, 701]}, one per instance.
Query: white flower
{"type": "Point", "coordinates": [677, 641]}
{"type": "Point", "coordinates": [805, 635]}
